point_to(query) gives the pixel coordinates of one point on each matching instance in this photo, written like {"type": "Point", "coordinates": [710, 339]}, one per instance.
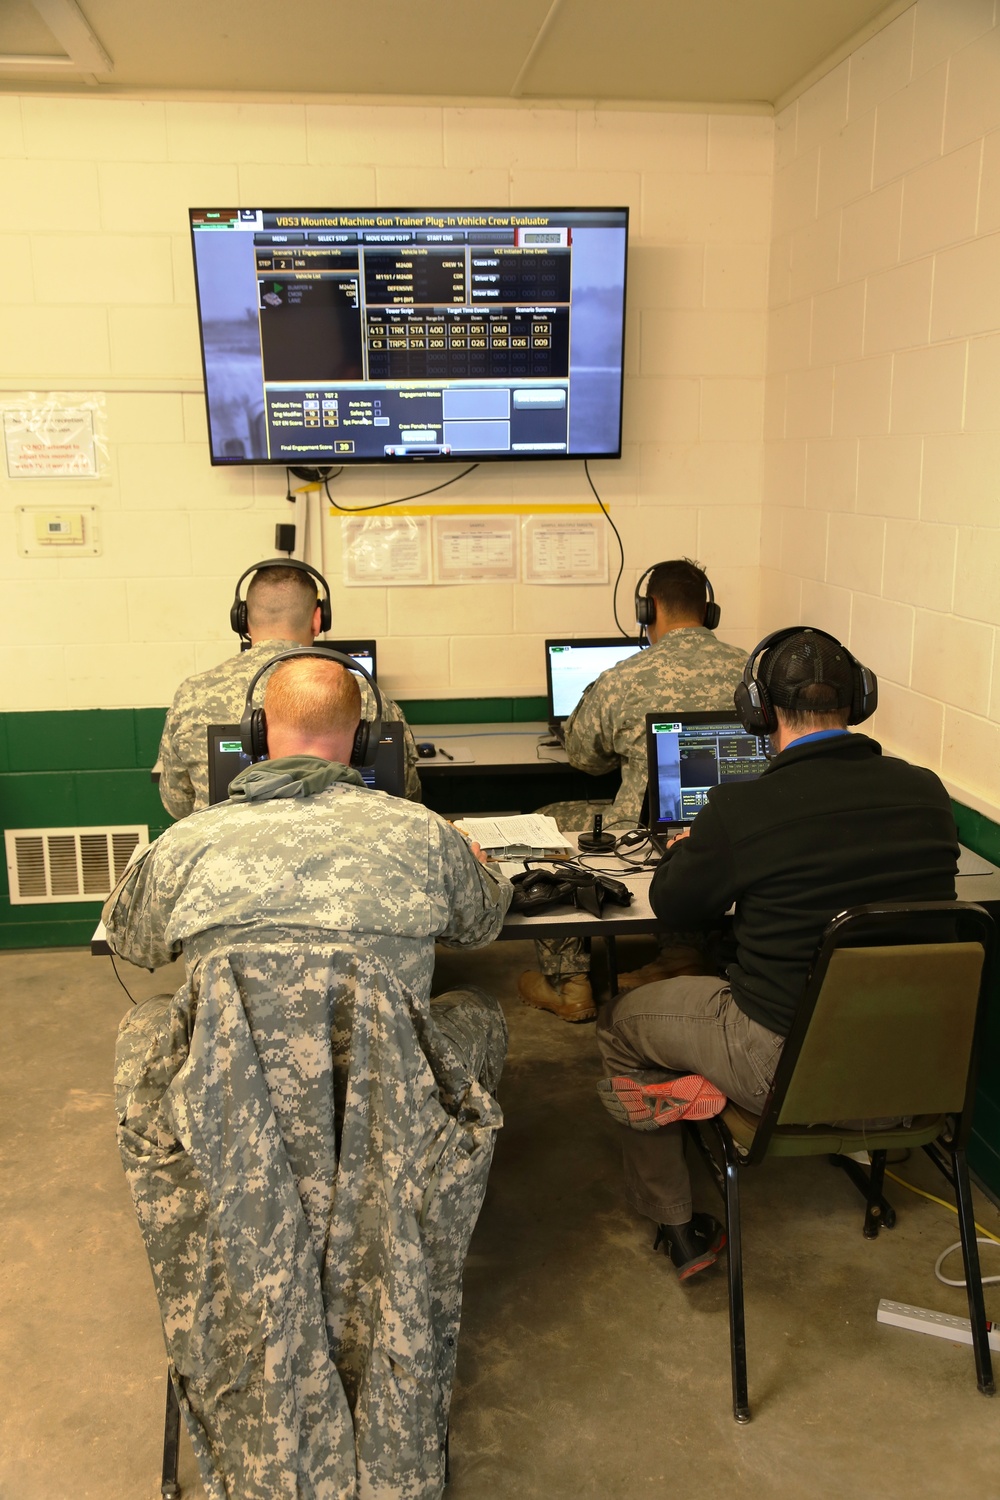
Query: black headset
{"type": "Point", "coordinates": [238, 608]}
{"type": "Point", "coordinates": [645, 606]}
{"type": "Point", "coordinates": [253, 725]}
{"type": "Point", "coordinates": [753, 701]}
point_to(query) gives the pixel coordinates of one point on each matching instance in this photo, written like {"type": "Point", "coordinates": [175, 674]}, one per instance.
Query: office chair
{"type": "Point", "coordinates": [889, 1027]}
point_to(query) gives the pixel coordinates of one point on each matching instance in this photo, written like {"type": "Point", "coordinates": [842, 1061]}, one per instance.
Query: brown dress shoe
{"type": "Point", "coordinates": [570, 999]}
{"type": "Point", "coordinates": [669, 964]}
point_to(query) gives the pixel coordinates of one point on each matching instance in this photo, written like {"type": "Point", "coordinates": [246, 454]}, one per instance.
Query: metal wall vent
{"type": "Point", "coordinates": [68, 864]}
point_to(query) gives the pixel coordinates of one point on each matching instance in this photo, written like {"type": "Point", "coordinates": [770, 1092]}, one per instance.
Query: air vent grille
{"type": "Point", "coordinates": [68, 864]}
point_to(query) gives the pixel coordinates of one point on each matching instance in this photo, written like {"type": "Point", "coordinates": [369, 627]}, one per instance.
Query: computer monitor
{"type": "Point", "coordinates": [689, 753]}
{"type": "Point", "coordinates": [348, 335]}
{"type": "Point", "coordinates": [227, 758]}
{"type": "Point", "coordinates": [571, 664]}
{"type": "Point", "coordinates": [365, 652]}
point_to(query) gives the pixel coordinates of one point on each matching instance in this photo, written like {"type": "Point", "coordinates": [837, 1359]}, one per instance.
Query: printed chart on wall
{"type": "Point", "coordinates": [564, 550]}
{"type": "Point", "coordinates": [380, 550]}
{"type": "Point", "coordinates": [46, 437]}
{"type": "Point", "coordinates": [467, 549]}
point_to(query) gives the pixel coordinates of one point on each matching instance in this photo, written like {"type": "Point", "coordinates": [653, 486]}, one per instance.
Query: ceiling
{"type": "Point", "coordinates": [730, 52]}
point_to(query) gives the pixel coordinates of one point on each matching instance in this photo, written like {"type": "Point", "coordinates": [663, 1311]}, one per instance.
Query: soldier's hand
{"type": "Point", "coordinates": [684, 834]}
{"type": "Point", "coordinates": [477, 851]}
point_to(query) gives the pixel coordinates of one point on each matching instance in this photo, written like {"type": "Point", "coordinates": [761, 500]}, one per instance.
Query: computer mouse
{"type": "Point", "coordinates": [425, 750]}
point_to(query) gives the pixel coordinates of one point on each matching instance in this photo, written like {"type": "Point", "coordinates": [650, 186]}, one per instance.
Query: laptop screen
{"type": "Point", "coordinates": [572, 665]}
{"type": "Point", "coordinates": [226, 759]}
{"type": "Point", "coordinates": [364, 652]}
{"type": "Point", "coordinates": [687, 754]}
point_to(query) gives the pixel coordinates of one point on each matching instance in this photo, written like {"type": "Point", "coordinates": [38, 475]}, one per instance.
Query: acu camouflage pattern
{"type": "Point", "coordinates": [217, 697]}
{"type": "Point", "coordinates": [687, 669]}
{"type": "Point", "coordinates": [306, 1136]}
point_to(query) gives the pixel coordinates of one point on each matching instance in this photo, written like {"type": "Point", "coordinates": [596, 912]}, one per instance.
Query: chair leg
{"type": "Point", "coordinates": [973, 1274]}
{"type": "Point", "coordinates": [737, 1320]}
{"type": "Point", "coordinates": [873, 1203]}
{"type": "Point", "coordinates": [886, 1215]}
{"type": "Point", "coordinates": [169, 1488]}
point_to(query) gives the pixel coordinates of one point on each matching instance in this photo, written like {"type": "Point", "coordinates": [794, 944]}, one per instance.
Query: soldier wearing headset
{"type": "Point", "coordinates": [283, 608]}
{"type": "Point", "coordinates": [686, 667]}
{"type": "Point", "coordinates": [831, 823]}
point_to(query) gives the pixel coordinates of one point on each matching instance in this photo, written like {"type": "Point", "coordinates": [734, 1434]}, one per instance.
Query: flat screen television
{"type": "Point", "coordinates": [345, 336]}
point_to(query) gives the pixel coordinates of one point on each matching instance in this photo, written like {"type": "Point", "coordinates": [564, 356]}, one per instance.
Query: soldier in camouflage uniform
{"type": "Point", "coordinates": [283, 612]}
{"type": "Point", "coordinates": [306, 1134]}
{"type": "Point", "coordinates": [686, 668]}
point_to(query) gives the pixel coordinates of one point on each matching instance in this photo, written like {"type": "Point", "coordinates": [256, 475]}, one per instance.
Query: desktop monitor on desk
{"type": "Point", "coordinates": [571, 664]}
{"type": "Point", "coordinates": [689, 753]}
{"type": "Point", "coordinates": [227, 758]}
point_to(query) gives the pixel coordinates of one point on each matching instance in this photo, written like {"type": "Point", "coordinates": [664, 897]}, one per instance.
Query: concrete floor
{"type": "Point", "coordinates": [585, 1368]}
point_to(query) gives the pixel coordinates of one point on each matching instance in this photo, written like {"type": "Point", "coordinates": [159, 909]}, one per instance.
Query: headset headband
{"type": "Point", "coordinates": [253, 725]}
{"type": "Point", "coordinates": [753, 699]}
{"type": "Point", "coordinates": [645, 607]}
{"type": "Point", "coordinates": [238, 609]}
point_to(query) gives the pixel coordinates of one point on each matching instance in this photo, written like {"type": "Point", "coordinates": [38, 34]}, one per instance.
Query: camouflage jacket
{"type": "Point", "coordinates": [217, 697]}
{"type": "Point", "coordinates": [686, 669]}
{"type": "Point", "coordinates": [306, 1145]}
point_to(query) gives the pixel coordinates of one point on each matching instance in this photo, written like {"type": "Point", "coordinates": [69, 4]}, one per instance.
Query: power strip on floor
{"type": "Point", "coordinates": [942, 1325]}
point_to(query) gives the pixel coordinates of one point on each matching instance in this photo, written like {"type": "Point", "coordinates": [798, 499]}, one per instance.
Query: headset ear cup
{"type": "Point", "coordinates": [864, 696]}
{"type": "Point", "coordinates": [325, 613]}
{"type": "Point", "coordinates": [258, 735]}
{"type": "Point", "coordinates": [754, 707]}
{"type": "Point", "coordinates": [713, 614]}
{"type": "Point", "coordinates": [359, 750]}
{"type": "Point", "coordinates": [238, 617]}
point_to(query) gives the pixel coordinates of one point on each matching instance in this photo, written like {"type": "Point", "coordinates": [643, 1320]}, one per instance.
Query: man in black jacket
{"type": "Point", "coordinates": [831, 823]}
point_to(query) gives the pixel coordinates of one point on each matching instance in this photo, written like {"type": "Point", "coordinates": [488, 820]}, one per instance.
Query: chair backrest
{"type": "Point", "coordinates": [890, 1018]}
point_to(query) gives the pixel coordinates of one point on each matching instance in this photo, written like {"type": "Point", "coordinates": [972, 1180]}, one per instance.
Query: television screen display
{"type": "Point", "coordinates": [339, 336]}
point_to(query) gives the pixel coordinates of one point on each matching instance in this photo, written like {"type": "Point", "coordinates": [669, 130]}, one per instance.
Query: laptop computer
{"type": "Point", "coordinates": [226, 759]}
{"type": "Point", "coordinates": [572, 663]}
{"type": "Point", "coordinates": [687, 754]}
{"type": "Point", "coordinates": [364, 651]}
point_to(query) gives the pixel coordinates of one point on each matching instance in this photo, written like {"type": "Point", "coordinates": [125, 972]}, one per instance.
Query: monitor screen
{"type": "Point", "coordinates": [571, 665]}
{"type": "Point", "coordinates": [364, 652]}
{"type": "Point", "coordinates": [690, 753]}
{"type": "Point", "coordinates": [227, 758]}
{"type": "Point", "coordinates": [340, 336]}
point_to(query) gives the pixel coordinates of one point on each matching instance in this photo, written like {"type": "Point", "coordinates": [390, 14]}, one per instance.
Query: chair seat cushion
{"type": "Point", "coordinates": [821, 1140]}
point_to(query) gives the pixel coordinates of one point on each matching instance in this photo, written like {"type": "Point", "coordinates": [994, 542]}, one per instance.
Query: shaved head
{"type": "Point", "coordinates": [281, 603]}
{"type": "Point", "coordinates": [313, 707]}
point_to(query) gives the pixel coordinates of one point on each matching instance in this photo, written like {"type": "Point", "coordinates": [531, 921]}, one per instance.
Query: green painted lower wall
{"type": "Point", "coordinates": [84, 767]}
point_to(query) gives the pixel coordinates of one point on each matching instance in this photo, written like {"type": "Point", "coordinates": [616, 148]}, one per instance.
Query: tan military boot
{"type": "Point", "coordinates": [668, 964]}
{"type": "Point", "coordinates": [570, 999]}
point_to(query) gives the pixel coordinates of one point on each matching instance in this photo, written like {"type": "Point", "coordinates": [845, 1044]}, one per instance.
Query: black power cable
{"type": "Point", "coordinates": [361, 510]}
{"type": "Point", "coordinates": [621, 549]}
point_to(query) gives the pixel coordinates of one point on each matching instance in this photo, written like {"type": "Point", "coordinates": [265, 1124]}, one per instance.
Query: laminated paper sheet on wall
{"type": "Point", "coordinates": [564, 550]}
{"type": "Point", "coordinates": [54, 435]}
{"type": "Point", "coordinates": [381, 550]}
{"type": "Point", "coordinates": [468, 549]}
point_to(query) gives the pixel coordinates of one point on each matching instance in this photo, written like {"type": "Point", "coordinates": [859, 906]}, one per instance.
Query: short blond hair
{"type": "Point", "coordinates": [313, 697]}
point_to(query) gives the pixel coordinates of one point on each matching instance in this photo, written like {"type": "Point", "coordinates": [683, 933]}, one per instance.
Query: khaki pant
{"type": "Point", "coordinates": [685, 1025]}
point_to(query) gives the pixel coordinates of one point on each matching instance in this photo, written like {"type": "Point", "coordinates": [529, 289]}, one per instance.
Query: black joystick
{"type": "Point", "coordinates": [596, 840]}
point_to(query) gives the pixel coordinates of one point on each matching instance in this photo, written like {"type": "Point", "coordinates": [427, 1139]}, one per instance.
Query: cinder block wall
{"type": "Point", "coordinates": [97, 293]}
{"type": "Point", "coordinates": [881, 510]}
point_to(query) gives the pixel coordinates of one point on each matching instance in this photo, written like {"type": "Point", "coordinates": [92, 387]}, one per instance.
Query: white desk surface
{"type": "Point", "coordinates": [980, 881]}
{"type": "Point", "coordinates": [507, 745]}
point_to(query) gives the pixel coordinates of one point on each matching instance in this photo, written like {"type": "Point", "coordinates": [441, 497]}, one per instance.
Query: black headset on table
{"type": "Point", "coordinates": [645, 604]}
{"type": "Point", "coordinates": [753, 701]}
{"type": "Point", "coordinates": [253, 725]}
{"type": "Point", "coordinates": [238, 609]}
